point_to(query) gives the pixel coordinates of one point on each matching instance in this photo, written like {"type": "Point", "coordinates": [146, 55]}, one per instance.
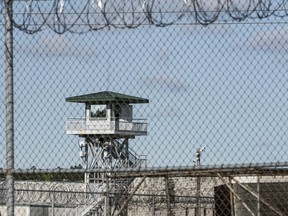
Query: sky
{"type": "Point", "coordinates": [221, 86]}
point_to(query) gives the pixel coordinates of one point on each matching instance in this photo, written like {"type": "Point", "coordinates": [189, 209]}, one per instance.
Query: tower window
{"type": "Point", "coordinates": [98, 111]}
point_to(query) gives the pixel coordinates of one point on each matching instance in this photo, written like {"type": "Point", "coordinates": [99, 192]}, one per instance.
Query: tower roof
{"type": "Point", "coordinates": [106, 97]}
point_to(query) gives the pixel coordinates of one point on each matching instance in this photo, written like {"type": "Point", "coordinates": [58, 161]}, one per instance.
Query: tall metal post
{"type": "Point", "coordinates": [53, 203]}
{"type": "Point", "coordinates": [167, 196]}
{"type": "Point", "coordinates": [258, 196]}
{"type": "Point", "coordinates": [198, 186]}
{"type": "Point", "coordinates": [232, 203]}
{"type": "Point", "coordinates": [107, 211]}
{"type": "Point", "coordinates": [153, 206]}
{"type": "Point", "coordinates": [9, 106]}
{"type": "Point", "coordinates": [86, 166]}
{"type": "Point", "coordinates": [198, 181]}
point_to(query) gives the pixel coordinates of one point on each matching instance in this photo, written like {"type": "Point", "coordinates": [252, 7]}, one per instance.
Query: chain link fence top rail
{"type": "Point", "coordinates": [215, 76]}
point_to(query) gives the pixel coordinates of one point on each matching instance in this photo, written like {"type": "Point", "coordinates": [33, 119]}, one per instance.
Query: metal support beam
{"type": "Point", "coordinates": [198, 192]}
{"type": "Point", "coordinates": [236, 195]}
{"type": "Point", "coordinates": [232, 200]}
{"type": "Point", "coordinates": [253, 193]}
{"type": "Point", "coordinates": [126, 148]}
{"type": "Point", "coordinates": [258, 197]}
{"type": "Point", "coordinates": [107, 208]}
{"type": "Point", "coordinates": [9, 102]}
{"type": "Point", "coordinates": [167, 196]}
{"type": "Point", "coordinates": [130, 196]}
{"type": "Point", "coordinates": [198, 180]}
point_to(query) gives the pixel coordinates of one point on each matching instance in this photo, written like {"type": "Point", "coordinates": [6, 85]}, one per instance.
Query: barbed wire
{"type": "Point", "coordinates": [75, 194]}
{"type": "Point", "coordinates": [75, 16]}
{"type": "Point", "coordinates": [63, 193]}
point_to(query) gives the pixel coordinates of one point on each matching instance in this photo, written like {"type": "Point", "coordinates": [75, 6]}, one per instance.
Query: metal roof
{"type": "Point", "coordinates": [106, 97]}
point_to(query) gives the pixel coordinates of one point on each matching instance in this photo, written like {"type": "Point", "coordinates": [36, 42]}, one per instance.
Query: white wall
{"type": "Point", "coordinates": [18, 210]}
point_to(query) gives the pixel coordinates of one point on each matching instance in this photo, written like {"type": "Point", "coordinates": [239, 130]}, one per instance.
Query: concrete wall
{"type": "Point", "coordinates": [38, 211]}
{"type": "Point", "coordinates": [18, 210]}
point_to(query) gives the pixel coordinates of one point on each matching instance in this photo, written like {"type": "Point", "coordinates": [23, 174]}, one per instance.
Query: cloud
{"type": "Point", "coordinates": [268, 40]}
{"type": "Point", "coordinates": [55, 44]}
{"type": "Point", "coordinates": [166, 82]}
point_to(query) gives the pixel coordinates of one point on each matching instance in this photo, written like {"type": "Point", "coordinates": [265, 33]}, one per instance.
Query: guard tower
{"type": "Point", "coordinates": [106, 129]}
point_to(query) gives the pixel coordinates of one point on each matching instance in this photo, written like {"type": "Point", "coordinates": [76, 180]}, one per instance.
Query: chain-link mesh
{"type": "Point", "coordinates": [146, 108]}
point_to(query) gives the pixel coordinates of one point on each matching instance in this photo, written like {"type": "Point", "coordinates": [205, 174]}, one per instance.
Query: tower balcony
{"type": "Point", "coordinates": [104, 126]}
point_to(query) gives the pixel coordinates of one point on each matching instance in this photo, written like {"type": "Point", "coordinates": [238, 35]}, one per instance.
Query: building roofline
{"type": "Point", "coordinates": [106, 97]}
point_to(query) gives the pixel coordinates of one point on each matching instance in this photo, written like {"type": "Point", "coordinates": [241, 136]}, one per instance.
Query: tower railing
{"type": "Point", "coordinates": [82, 125]}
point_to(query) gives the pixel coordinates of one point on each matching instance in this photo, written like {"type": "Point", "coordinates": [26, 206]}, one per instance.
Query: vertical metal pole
{"type": "Point", "coordinates": [127, 150]}
{"type": "Point", "coordinates": [198, 207]}
{"type": "Point", "coordinates": [258, 196]}
{"type": "Point", "coordinates": [86, 154]}
{"type": "Point", "coordinates": [107, 199]}
{"type": "Point", "coordinates": [232, 204]}
{"type": "Point", "coordinates": [86, 175]}
{"type": "Point", "coordinates": [198, 181]}
{"type": "Point", "coordinates": [9, 106]}
{"type": "Point", "coordinates": [153, 207]}
{"type": "Point", "coordinates": [53, 203]}
{"type": "Point", "coordinates": [167, 196]}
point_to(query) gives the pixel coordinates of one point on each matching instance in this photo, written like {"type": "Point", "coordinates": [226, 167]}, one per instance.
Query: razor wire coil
{"type": "Point", "coordinates": [61, 16]}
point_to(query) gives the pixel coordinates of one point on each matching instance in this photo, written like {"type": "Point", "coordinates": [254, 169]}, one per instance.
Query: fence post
{"type": "Point", "coordinates": [53, 203]}
{"type": "Point", "coordinates": [167, 197]}
{"type": "Point", "coordinates": [198, 181]}
{"type": "Point", "coordinates": [153, 207]}
{"type": "Point", "coordinates": [9, 107]}
{"type": "Point", "coordinates": [107, 199]}
{"type": "Point", "coordinates": [258, 196]}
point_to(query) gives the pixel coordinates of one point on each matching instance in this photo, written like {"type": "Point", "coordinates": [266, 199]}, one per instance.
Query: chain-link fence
{"type": "Point", "coordinates": [144, 108]}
